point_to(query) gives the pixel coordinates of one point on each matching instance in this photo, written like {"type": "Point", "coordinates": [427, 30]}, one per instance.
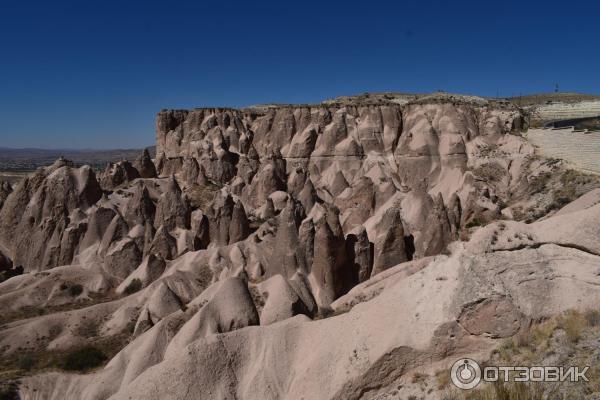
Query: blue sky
{"type": "Point", "coordinates": [92, 74]}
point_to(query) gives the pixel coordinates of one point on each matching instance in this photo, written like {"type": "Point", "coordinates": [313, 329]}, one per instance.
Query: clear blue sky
{"type": "Point", "coordinates": [92, 74]}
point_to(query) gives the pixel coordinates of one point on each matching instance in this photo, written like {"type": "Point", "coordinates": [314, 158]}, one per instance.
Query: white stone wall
{"type": "Point", "coordinates": [557, 111]}
{"type": "Point", "coordinates": [579, 148]}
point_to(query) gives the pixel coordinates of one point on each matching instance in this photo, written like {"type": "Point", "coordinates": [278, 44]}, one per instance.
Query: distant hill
{"type": "Point", "coordinates": [523, 101]}
{"type": "Point", "coordinates": [545, 98]}
{"type": "Point", "coordinates": [27, 159]}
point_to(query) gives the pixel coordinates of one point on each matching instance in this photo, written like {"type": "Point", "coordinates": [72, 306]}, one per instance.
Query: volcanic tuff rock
{"type": "Point", "coordinates": [432, 146]}
{"type": "Point", "coordinates": [445, 300]}
{"type": "Point", "coordinates": [389, 243]}
{"type": "Point", "coordinates": [37, 213]}
{"type": "Point", "coordinates": [145, 166]}
{"type": "Point", "coordinates": [334, 227]}
{"type": "Point", "coordinates": [172, 209]}
{"type": "Point", "coordinates": [163, 245]}
{"type": "Point", "coordinates": [5, 190]}
{"type": "Point", "coordinates": [116, 174]}
{"type": "Point", "coordinates": [140, 208]}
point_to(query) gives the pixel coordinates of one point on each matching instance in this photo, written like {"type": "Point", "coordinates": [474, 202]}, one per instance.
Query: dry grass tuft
{"type": "Point", "coordinates": [442, 378]}
{"type": "Point", "coordinates": [507, 391]}
{"type": "Point", "coordinates": [573, 323]}
{"type": "Point", "coordinates": [592, 317]}
{"type": "Point", "coordinates": [419, 377]}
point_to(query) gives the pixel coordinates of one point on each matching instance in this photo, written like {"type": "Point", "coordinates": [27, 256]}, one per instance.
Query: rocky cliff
{"type": "Point", "coordinates": [357, 157]}
{"type": "Point", "coordinates": [325, 251]}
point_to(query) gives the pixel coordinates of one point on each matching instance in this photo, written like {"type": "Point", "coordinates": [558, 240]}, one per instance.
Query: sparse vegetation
{"type": "Point", "coordinates": [27, 362]}
{"type": "Point", "coordinates": [84, 359]}
{"type": "Point", "coordinates": [75, 290]}
{"type": "Point", "coordinates": [552, 189]}
{"type": "Point", "coordinates": [324, 313]}
{"type": "Point", "coordinates": [4, 275]}
{"type": "Point", "coordinates": [539, 183]}
{"type": "Point", "coordinates": [13, 368]}
{"type": "Point", "coordinates": [592, 317]}
{"type": "Point", "coordinates": [9, 392]}
{"type": "Point", "coordinates": [28, 312]}
{"type": "Point", "coordinates": [566, 339]}
{"type": "Point", "coordinates": [572, 323]}
{"type": "Point", "coordinates": [134, 286]}
{"type": "Point", "coordinates": [419, 378]}
{"type": "Point", "coordinates": [502, 391]}
{"type": "Point", "coordinates": [487, 150]}
{"type": "Point", "coordinates": [490, 172]}
{"type": "Point", "coordinates": [571, 185]}
{"type": "Point", "coordinates": [475, 222]}
{"type": "Point", "coordinates": [442, 378]}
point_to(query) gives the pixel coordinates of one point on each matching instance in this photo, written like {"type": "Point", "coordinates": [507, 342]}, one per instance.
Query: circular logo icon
{"type": "Point", "coordinates": [465, 373]}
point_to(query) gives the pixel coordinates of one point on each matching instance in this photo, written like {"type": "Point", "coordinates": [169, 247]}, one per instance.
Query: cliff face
{"type": "Point", "coordinates": [373, 151]}
{"type": "Point", "coordinates": [416, 158]}
{"type": "Point", "coordinates": [38, 219]}
{"type": "Point", "coordinates": [325, 134]}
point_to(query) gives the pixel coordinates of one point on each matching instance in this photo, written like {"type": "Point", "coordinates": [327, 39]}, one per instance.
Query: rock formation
{"type": "Point", "coordinates": [5, 190]}
{"type": "Point", "coordinates": [145, 165]}
{"type": "Point", "coordinates": [38, 211]}
{"type": "Point", "coordinates": [323, 251]}
{"type": "Point", "coordinates": [116, 174]}
{"type": "Point", "coordinates": [172, 209]}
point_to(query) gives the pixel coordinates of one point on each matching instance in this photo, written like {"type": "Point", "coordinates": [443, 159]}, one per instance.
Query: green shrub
{"type": "Point", "coordinates": [134, 286]}
{"type": "Point", "coordinates": [75, 290]}
{"type": "Point", "coordinates": [27, 362]}
{"type": "Point", "coordinates": [83, 359]}
{"type": "Point", "coordinates": [9, 392]}
{"type": "Point", "coordinates": [475, 222]}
